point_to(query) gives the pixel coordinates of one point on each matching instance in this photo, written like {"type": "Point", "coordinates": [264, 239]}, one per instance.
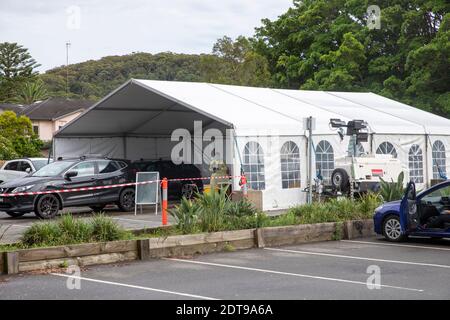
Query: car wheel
{"type": "Point", "coordinates": [126, 200]}
{"type": "Point", "coordinates": [97, 208]}
{"type": "Point", "coordinates": [340, 180]}
{"type": "Point", "coordinates": [15, 214]}
{"type": "Point", "coordinates": [47, 206]}
{"type": "Point", "coordinates": [392, 229]}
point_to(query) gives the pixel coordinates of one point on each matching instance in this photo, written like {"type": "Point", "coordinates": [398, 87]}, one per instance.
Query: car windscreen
{"type": "Point", "coordinates": [38, 164]}
{"type": "Point", "coordinates": [53, 169]}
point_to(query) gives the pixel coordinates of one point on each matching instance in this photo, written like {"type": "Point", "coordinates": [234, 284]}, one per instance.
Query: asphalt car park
{"type": "Point", "coordinates": [418, 269]}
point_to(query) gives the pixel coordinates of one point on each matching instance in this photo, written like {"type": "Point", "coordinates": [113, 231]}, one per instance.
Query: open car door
{"type": "Point", "coordinates": [409, 219]}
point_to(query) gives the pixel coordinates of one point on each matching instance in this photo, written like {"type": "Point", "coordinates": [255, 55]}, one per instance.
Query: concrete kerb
{"type": "Point", "coordinates": [176, 246]}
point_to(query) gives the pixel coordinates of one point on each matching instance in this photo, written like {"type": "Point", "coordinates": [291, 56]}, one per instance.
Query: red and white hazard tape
{"type": "Point", "coordinates": [203, 178]}
{"type": "Point", "coordinates": [106, 187]}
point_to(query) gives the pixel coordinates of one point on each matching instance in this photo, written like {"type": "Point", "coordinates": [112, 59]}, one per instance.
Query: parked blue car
{"type": "Point", "coordinates": [426, 214]}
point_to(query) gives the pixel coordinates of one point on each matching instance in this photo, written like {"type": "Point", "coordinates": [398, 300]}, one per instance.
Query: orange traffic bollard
{"type": "Point", "coordinates": [164, 186]}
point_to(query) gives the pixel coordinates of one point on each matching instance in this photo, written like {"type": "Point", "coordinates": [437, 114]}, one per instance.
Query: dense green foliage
{"type": "Point", "coordinates": [392, 190]}
{"type": "Point", "coordinates": [210, 212]}
{"type": "Point", "coordinates": [29, 92]}
{"type": "Point", "coordinates": [17, 138]}
{"type": "Point", "coordinates": [16, 68]}
{"type": "Point", "coordinates": [316, 44]}
{"type": "Point", "coordinates": [69, 230]}
{"type": "Point", "coordinates": [326, 45]}
{"type": "Point", "coordinates": [216, 212]}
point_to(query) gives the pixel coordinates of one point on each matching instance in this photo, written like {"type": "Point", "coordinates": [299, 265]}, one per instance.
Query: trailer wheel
{"type": "Point", "coordinates": [340, 180]}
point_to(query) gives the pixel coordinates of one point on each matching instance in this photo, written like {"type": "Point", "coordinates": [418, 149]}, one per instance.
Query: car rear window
{"type": "Point", "coordinates": [38, 164]}
{"type": "Point", "coordinates": [121, 164]}
{"type": "Point", "coordinates": [107, 166]}
{"type": "Point", "coordinates": [14, 165]}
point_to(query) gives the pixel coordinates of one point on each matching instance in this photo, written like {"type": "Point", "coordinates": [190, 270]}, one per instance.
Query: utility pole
{"type": "Point", "coordinates": [67, 67]}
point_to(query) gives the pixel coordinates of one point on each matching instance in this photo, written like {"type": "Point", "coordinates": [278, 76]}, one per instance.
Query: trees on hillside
{"type": "Point", "coordinates": [94, 79]}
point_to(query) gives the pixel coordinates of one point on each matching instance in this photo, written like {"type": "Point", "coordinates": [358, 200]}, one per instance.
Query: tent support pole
{"type": "Point", "coordinates": [427, 169]}
{"type": "Point", "coordinates": [371, 144]}
{"type": "Point", "coordinates": [124, 139]}
{"type": "Point", "coordinates": [310, 170]}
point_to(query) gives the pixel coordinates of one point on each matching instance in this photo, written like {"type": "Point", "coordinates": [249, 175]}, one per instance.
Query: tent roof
{"type": "Point", "coordinates": [150, 107]}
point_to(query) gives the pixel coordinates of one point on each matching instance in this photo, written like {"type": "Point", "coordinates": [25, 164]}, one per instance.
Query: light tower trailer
{"type": "Point", "coordinates": [362, 174]}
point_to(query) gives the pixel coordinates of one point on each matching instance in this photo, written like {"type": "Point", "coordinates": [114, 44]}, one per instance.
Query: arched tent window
{"type": "Point", "coordinates": [438, 156]}
{"type": "Point", "coordinates": [415, 164]}
{"type": "Point", "coordinates": [325, 159]}
{"type": "Point", "coordinates": [290, 165]}
{"type": "Point", "coordinates": [387, 148]}
{"type": "Point", "coordinates": [254, 165]}
{"type": "Point", "coordinates": [359, 148]}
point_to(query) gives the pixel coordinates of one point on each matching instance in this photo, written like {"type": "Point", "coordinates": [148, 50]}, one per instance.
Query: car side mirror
{"type": "Point", "coordinates": [70, 175]}
{"type": "Point", "coordinates": [28, 170]}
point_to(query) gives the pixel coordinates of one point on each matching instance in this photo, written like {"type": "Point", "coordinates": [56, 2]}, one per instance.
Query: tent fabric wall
{"type": "Point", "coordinates": [446, 141]}
{"type": "Point", "coordinates": [76, 147]}
{"type": "Point", "coordinates": [274, 196]}
{"type": "Point", "coordinates": [131, 148]}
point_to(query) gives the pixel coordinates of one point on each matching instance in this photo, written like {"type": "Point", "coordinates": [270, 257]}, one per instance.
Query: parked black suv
{"type": "Point", "coordinates": [167, 169]}
{"type": "Point", "coordinates": [69, 174]}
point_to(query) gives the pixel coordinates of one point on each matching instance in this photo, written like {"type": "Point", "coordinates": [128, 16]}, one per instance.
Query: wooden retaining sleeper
{"type": "Point", "coordinates": [128, 250]}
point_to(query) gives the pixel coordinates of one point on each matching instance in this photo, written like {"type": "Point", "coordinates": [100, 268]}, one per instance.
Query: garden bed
{"type": "Point", "coordinates": [209, 223]}
{"type": "Point", "coordinates": [87, 254]}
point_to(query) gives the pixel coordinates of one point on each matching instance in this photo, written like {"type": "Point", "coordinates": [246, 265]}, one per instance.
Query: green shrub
{"type": "Point", "coordinates": [106, 229]}
{"type": "Point", "coordinates": [186, 215]}
{"type": "Point", "coordinates": [368, 203]}
{"type": "Point", "coordinates": [214, 206]}
{"type": "Point", "coordinates": [73, 230]}
{"type": "Point", "coordinates": [241, 208]}
{"type": "Point", "coordinates": [314, 213]}
{"type": "Point", "coordinates": [69, 230]}
{"type": "Point", "coordinates": [391, 191]}
{"type": "Point", "coordinates": [287, 219]}
{"type": "Point", "coordinates": [42, 233]}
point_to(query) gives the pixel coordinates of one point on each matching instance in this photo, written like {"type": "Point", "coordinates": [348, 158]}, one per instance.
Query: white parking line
{"type": "Point", "coordinates": [124, 219]}
{"type": "Point", "coordinates": [13, 225]}
{"type": "Point", "coordinates": [288, 274]}
{"type": "Point", "coordinates": [397, 245]}
{"type": "Point", "coordinates": [134, 287]}
{"type": "Point", "coordinates": [18, 225]}
{"type": "Point", "coordinates": [360, 258]}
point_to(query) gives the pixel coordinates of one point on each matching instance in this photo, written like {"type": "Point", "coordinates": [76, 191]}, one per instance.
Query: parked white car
{"type": "Point", "coordinates": [18, 168]}
{"type": "Point", "coordinates": [25, 164]}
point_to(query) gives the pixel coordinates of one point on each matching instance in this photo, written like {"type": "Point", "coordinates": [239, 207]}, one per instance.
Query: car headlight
{"type": "Point", "coordinates": [22, 189]}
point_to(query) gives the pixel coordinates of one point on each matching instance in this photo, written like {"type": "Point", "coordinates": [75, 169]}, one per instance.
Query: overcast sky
{"type": "Point", "coordinates": [98, 28]}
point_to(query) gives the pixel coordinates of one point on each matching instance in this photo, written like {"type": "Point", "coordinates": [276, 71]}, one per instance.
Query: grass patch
{"type": "Point", "coordinates": [229, 248]}
{"type": "Point", "coordinates": [69, 230]}
{"type": "Point", "coordinates": [10, 247]}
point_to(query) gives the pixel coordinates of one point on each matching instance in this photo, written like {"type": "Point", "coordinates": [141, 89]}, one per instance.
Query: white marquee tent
{"type": "Point", "coordinates": [136, 121]}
